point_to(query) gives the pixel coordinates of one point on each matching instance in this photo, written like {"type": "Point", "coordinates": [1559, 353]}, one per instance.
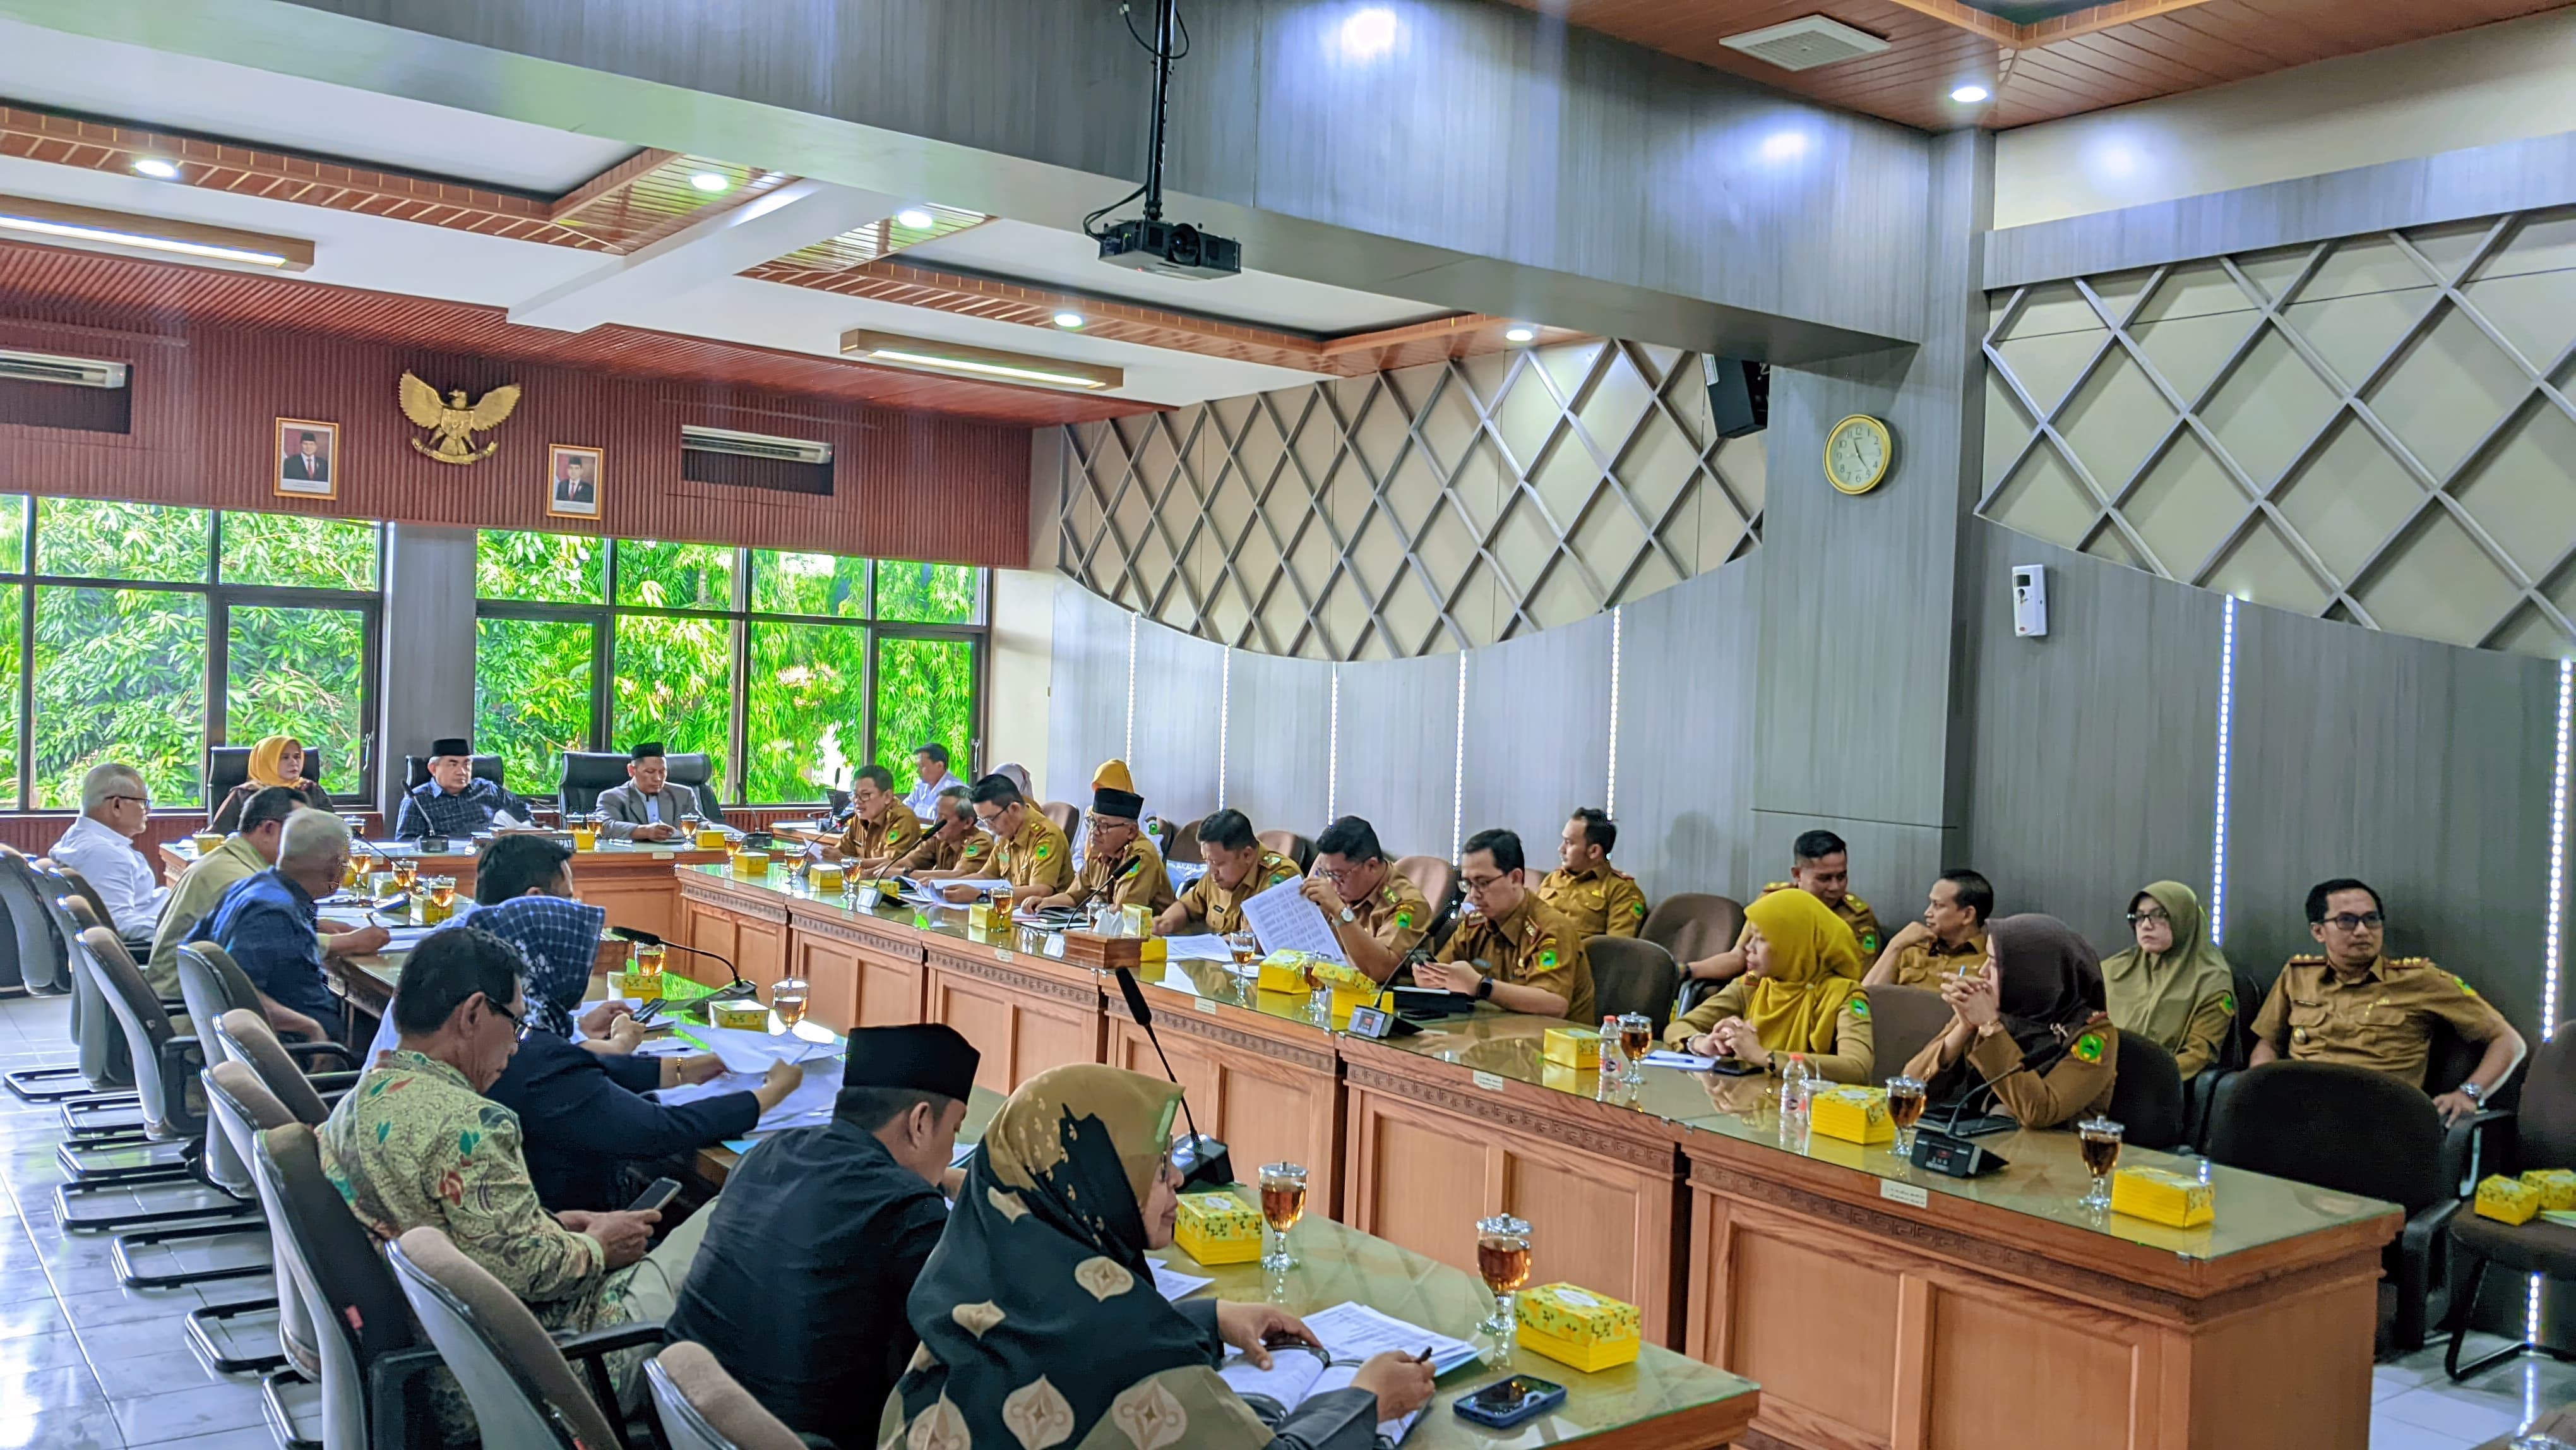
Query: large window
{"type": "Point", "coordinates": [789, 670]}
{"type": "Point", "coordinates": [145, 633]}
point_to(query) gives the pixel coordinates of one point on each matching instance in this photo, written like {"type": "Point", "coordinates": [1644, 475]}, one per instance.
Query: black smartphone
{"type": "Point", "coordinates": [1507, 1402]}
{"type": "Point", "coordinates": [1733, 1067]}
{"type": "Point", "coordinates": [646, 1013]}
{"type": "Point", "coordinates": [657, 1195]}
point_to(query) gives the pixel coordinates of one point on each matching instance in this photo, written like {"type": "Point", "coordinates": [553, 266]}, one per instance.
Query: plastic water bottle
{"type": "Point", "coordinates": [1794, 1080]}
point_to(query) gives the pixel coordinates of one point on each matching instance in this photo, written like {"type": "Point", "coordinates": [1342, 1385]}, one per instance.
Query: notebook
{"type": "Point", "coordinates": [1352, 1333]}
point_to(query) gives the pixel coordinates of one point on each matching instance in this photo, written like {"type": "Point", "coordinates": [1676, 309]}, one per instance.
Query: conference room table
{"type": "Point", "coordinates": [1878, 1303]}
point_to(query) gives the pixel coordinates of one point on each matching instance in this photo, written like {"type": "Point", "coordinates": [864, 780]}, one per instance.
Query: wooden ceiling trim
{"type": "Point", "coordinates": [1974, 21]}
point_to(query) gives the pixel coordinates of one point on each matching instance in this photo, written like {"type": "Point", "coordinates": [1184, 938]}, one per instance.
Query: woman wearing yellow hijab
{"type": "Point", "coordinates": [1800, 993]}
{"type": "Point", "coordinates": [277, 760]}
{"type": "Point", "coordinates": [2174, 986]}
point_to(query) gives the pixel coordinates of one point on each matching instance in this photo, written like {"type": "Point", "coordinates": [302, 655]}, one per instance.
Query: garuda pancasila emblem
{"type": "Point", "coordinates": [453, 422]}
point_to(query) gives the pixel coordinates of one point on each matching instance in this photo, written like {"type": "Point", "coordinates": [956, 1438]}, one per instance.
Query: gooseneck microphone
{"type": "Point", "coordinates": [1202, 1160]}
{"type": "Point", "coordinates": [737, 990]}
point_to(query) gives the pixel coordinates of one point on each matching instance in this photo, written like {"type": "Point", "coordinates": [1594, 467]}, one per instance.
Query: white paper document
{"type": "Point", "coordinates": [1171, 1283]}
{"type": "Point", "coordinates": [1285, 920]}
{"type": "Point", "coordinates": [1203, 948]}
{"type": "Point", "coordinates": [1687, 1062]}
{"type": "Point", "coordinates": [744, 1050]}
{"type": "Point", "coordinates": [1351, 1333]}
{"type": "Point", "coordinates": [810, 1105]}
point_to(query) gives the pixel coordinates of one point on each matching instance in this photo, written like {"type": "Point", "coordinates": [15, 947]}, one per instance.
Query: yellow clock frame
{"type": "Point", "coordinates": [1886, 454]}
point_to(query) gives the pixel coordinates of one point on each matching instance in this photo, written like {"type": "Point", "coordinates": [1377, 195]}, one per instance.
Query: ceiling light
{"type": "Point", "coordinates": [710, 181]}
{"type": "Point", "coordinates": [915, 218]}
{"type": "Point", "coordinates": [1069, 321]}
{"type": "Point", "coordinates": [1520, 332]}
{"type": "Point", "coordinates": [156, 168]}
{"type": "Point", "coordinates": [1368, 33]}
{"type": "Point", "coordinates": [1784, 146]}
{"type": "Point", "coordinates": [922, 354]}
{"type": "Point", "coordinates": [1970, 94]}
{"type": "Point", "coordinates": [87, 226]}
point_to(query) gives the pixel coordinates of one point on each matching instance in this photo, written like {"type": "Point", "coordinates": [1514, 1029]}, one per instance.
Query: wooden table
{"type": "Point", "coordinates": [1879, 1305]}
{"type": "Point", "coordinates": [634, 882]}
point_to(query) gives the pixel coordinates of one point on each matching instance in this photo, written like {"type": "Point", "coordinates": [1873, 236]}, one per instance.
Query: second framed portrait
{"type": "Point", "coordinates": [573, 481]}
{"type": "Point", "coordinates": [308, 458]}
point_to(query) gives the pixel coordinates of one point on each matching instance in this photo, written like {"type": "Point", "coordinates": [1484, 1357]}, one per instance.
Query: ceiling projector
{"type": "Point", "coordinates": [1170, 249]}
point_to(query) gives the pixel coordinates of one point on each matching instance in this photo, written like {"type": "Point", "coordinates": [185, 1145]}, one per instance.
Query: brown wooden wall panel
{"type": "Point", "coordinates": [907, 485]}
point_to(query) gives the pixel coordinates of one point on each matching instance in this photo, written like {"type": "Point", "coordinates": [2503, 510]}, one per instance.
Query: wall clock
{"type": "Point", "coordinates": [1857, 454]}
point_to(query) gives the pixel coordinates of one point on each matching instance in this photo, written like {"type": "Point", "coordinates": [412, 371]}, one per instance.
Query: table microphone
{"type": "Point", "coordinates": [737, 990]}
{"type": "Point", "coordinates": [1202, 1160]}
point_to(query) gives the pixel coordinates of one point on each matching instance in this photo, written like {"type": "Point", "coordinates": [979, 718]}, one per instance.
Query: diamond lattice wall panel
{"type": "Point", "coordinates": [2375, 429]}
{"type": "Point", "coordinates": [1415, 512]}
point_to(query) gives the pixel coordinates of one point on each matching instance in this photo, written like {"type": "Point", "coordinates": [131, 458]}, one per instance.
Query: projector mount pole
{"type": "Point", "coordinates": [1164, 11]}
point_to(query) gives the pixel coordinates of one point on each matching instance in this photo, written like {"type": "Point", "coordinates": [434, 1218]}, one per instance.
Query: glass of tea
{"type": "Point", "coordinates": [2100, 1140]}
{"type": "Point", "coordinates": [787, 999]}
{"type": "Point", "coordinates": [1905, 1109]}
{"type": "Point", "coordinates": [1242, 946]}
{"type": "Point", "coordinates": [1636, 1036]}
{"type": "Point", "coordinates": [1503, 1258]}
{"type": "Point", "coordinates": [1283, 1202]}
{"type": "Point", "coordinates": [406, 871]}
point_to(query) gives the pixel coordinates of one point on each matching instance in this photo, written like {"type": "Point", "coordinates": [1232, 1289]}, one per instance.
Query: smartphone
{"type": "Point", "coordinates": [1508, 1402]}
{"type": "Point", "coordinates": [657, 1195]}
{"type": "Point", "coordinates": [1733, 1067]}
{"type": "Point", "coordinates": [651, 1007]}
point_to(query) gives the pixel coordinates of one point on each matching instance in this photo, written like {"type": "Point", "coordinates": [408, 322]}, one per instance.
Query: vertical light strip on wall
{"type": "Point", "coordinates": [1128, 752]}
{"type": "Point", "coordinates": [1610, 792]}
{"type": "Point", "coordinates": [1333, 754]}
{"type": "Point", "coordinates": [1224, 718]}
{"type": "Point", "coordinates": [1458, 781]}
{"type": "Point", "coordinates": [2552, 941]}
{"type": "Point", "coordinates": [2226, 722]}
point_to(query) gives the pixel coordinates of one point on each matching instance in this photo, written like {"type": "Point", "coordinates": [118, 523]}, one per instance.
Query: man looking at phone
{"type": "Point", "coordinates": [798, 1288]}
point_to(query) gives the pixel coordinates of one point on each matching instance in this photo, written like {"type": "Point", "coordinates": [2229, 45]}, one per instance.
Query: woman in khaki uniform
{"type": "Point", "coordinates": [2031, 1028]}
{"type": "Point", "coordinates": [1797, 995]}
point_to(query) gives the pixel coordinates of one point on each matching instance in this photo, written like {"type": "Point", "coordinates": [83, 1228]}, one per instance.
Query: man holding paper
{"type": "Point", "coordinates": [1238, 869]}
{"type": "Point", "coordinates": [1376, 915]}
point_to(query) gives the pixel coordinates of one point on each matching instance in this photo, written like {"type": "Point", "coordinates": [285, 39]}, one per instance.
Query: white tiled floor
{"type": "Point", "coordinates": [86, 1364]}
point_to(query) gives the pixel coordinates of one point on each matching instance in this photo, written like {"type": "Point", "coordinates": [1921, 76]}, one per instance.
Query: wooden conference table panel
{"type": "Point", "coordinates": [745, 928]}
{"type": "Point", "coordinates": [1025, 1014]}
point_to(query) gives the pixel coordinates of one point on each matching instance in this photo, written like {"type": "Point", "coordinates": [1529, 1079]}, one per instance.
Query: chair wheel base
{"type": "Point", "coordinates": [294, 1408]}
{"type": "Point", "coordinates": [141, 1205]}
{"type": "Point", "coordinates": [199, 1253]}
{"type": "Point", "coordinates": [2457, 1371]}
{"type": "Point", "coordinates": [46, 1084]}
{"type": "Point", "coordinates": [229, 1336]}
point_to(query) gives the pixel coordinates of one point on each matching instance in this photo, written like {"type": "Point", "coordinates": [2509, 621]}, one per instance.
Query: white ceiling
{"type": "Point", "coordinates": [55, 71]}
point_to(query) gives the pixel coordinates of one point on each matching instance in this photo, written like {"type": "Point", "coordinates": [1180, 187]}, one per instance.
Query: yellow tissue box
{"type": "Point", "coordinates": [1286, 972]}
{"type": "Point", "coordinates": [1576, 1047]}
{"type": "Point", "coordinates": [1853, 1114]}
{"type": "Point", "coordinates": [754, 864]}
{"type": "Point", "coordinates": [2557, 1187]}
{"type": "Point", "coordinates": [1155, 949]}
{"type": "Point", "coordinates": [1218, 1228]}
{"type": "Point", "coordinates": [2507, 1200]}
{"type": "Point", "coordinates": [750, 1016]}
{"type": "Point", "coordinates": [1136, 921]}
{"type": "Point", "coordinates": [2160, 1195]}
{"type": "Point", "coordinates": [982, 917]}
{"type": "Point", "coordinates": [711, 839]}
{"type": "Point", "coordinates": [1578, 1327]}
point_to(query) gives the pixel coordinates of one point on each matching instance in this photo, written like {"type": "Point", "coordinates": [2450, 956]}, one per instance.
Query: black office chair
{"type": "Point", "coordinates": [2353, 1131]}
{"type": "Point", "coordinates": [694, 769]}
{"type": "Point", "coordinates": [229, 765]}
{"type": "Point", "coordinates": [1633, 976]}
{"type": "Point", "coordinates": [416, 770]}
{"type": "Point", "coordinates": [1903, 1020]}
{"type": "Point", "coordinates": [2146, 1094]}
{"type": "Point", "coordinates": [2544, 1137]}
{"type": "Point", "coordinates": [588, 772]}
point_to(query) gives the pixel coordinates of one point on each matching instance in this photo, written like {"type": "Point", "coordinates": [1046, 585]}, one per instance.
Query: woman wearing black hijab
{"type": "Point", "coordinates": [2031, 1026]}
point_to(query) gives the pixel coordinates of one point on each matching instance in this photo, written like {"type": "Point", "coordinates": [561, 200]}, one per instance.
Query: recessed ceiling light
{"type": "Point", "coordinates": [709, 181]}
{"type": "Point", "coordinates": [915, 218]}
{"type": "Point", "coordinates": [87, 226]}
{"type": "Point", "coordinates": [920, 354]}
{"type": "Point", "coordinates": [1369, 33]}
{"type": "Point", "coordinates": [1070, 321]}
{"type": "Point", "coordinates": [1970, 94]}
{"type": "Point", "coordinates": [1520, 332]}
{"type": "Point", "coordinates": [156, 168]}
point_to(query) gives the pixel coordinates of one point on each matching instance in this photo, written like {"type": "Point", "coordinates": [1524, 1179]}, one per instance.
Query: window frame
{"type": "Point", "coordinates": [602, 616]}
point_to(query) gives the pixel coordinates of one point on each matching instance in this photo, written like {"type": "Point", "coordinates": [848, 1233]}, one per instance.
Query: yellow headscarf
{"type": "Point", "coordinates": [1113, 775]}
{"type": "Point", "coordinates": [263, 761]}
{"type": "Point", "coordinates": [1815, 968]}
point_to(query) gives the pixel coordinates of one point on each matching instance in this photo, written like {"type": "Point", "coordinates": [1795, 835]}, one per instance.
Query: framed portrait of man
{"type": "Point", "coordinates": [308, 458]}
{"type": "Point", "coordinates": [573, 481]}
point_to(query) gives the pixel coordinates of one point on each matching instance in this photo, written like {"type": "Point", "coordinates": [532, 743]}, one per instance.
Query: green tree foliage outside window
{"type": "Point", "coordinates": [531, 696]}
{"type": "Point", "coordinates": [102, 539]}
{"type": "Point", "coordinates": [925, 692]}
{"type": "Point", "coordinates": [10, 595]}
{"type": "Point", "coordinates": [926, 593]}
{"type": "Point", "coordinates": [298, 672]}
{"type": "Point", "coordinates": [674, 684]}
{"type": "Point", "coordinates": [299, 552]}
{"type": "Point", "coordinates": [784, 583]}
{"type": "Point", "coordinates": [544, 568]}
{"type": "Point", "coordinates": [674, 576]}
{"type": "Point", "coordinates": [120, 674]}
{"type": "Point", "coordinates": [805, 709]}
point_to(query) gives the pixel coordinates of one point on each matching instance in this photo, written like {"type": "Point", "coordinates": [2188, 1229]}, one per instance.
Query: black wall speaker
{"type": "Point", "coordinates": [1739, 394]}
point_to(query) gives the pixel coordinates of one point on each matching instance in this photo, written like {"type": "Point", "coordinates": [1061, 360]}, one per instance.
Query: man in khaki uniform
{"type": "Point", "coordinates": [952, 846]}
{"type": "Point", "coordinates": [882, 828]}
{"type": "Point", "coordinates": [1030, 852]}
{"type": "Point", "coordinates": [1377, 915]}
{"type": "Point", "coordinates": [1820, 865]}
{"type": "Point", "coordinates": [1238, 869]}
{"type": "Point", "coordinates": [1537, 961]}
{"type": "Point", "coordinates": [1124, 865]}
{"type": "Point", "coordinates": [1950, 939]}
{"type": "Point", "coordinates": [1599, 898]}
{"type": "Point", "coordinates": [2357, 1007]}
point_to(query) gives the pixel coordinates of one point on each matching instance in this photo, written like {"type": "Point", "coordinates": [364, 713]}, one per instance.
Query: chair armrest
{"type": "Point", "coordinates": [2467, 1148]}
{"type": "Point", "coordinates": [387, 1377]}
{"type": "Point", "coordinates": [327, 1083]}
{"type": "Point", "coordinates": [2427, 1226]}
{"type": "Point", "coordinates": [598, 1343]}
{"type": "Point", "coordinates": [304, 1052]}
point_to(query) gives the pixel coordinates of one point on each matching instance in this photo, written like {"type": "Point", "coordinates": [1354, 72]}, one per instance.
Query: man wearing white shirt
{"type": "Point", "coordinates": [930, 768]}
{"type": "Point", "coordinates": [100, 846]}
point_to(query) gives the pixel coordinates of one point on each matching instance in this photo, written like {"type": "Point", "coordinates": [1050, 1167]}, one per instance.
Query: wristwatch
{"type": "Point", "coordinates": [2474, 1093]}
{"type": "Point", "coordinates": [1484, 989]}
{"type": "Point", "coordinates": [1349, 916]}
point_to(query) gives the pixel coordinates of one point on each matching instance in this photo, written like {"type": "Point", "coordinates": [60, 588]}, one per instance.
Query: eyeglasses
{"type": "Point", "coordinates": [2149, 918]}
{"type": "Point", "coordinates": [517, 1021]}
{"type": "Point", "coordinates": [1337, 877]}
{"type": "Point", "coordinates": [1481, 883]}
{"type": "Point", "coordinates": [2367, 921]}
{"type": "Point", "coordinates": [143, 801]}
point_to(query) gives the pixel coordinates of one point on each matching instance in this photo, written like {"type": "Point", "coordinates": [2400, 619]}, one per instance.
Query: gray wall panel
{"type": "Point", "coordinates": [1398, 764]}
{"type": "Point", "coordinates": [429, 628]}
{"type": "Point", "coordinates": [1686, 733]}
{"type": "Point", "coordinates": [2421, 768]}
{"type": "Point", "coordinates": [1087, 703]}
{"type": "Point", "coordinates": [1538, 732]}
{"type": "Point", "coordinates": [1179, 699]}
{"type": "Point", "coordinates": [2092, 753]}
{"type": "Point", "coordinates": [1277, 748]}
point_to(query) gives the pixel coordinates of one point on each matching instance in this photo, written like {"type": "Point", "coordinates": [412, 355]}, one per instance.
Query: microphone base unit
{"type": "Point", "coordinates": [1203, 1162]}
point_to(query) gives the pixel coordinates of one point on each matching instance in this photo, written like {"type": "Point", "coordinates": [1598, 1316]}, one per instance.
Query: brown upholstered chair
{"type": "Point", "coordinates": [1902, 1021]}
{"type": "Point", "coordinates": [1435, 878]}
{"type": "Point", "coordinates": [703, 1408]}
{"type": "Point", "coordinates": [1291, 845]}
{"type": "Point", "coordinates": [1066, 815]}
{"type": "Point", "coordinates": [1692, 925]}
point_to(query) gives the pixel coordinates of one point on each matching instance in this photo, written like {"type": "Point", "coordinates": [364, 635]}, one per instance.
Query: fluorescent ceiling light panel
{"type": "Point", "coordinates": [27, 219]}
{"type": "Point", "coordinates": [926, 355]}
